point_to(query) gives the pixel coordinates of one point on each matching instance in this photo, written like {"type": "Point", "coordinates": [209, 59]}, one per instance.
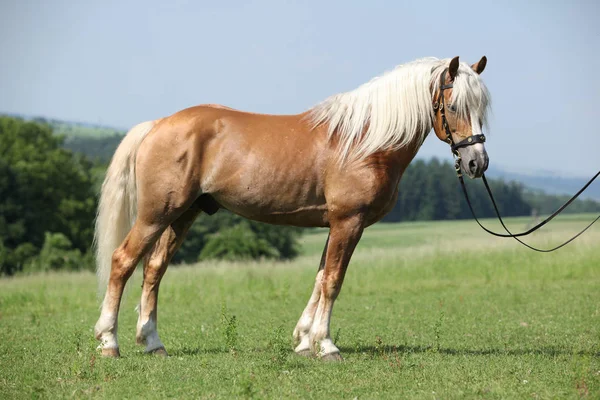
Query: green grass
{"type": "Point", "coordinates": [428, 310]}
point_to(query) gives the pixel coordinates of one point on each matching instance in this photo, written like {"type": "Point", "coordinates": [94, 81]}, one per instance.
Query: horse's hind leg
{"type": "Point", "coordinates": [155, 266]}
{"type": "Point", "coordinates": [306, 319]}
{"type": "Point", "coordinates": [155, 214]}
{"type": "Point", "coordinates": [137, 243]}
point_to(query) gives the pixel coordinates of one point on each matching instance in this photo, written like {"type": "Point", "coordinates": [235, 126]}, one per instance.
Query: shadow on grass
{"type": "Point", "coordinates": [403, 349]}
{"type": "Point", "coordinates": [194, 351]}
{"type": "Point", "coordinates": [390, 349]}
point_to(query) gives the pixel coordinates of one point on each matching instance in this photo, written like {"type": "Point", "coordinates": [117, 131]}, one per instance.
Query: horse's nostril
{"type": "Point", "coordinates": [473, 166]}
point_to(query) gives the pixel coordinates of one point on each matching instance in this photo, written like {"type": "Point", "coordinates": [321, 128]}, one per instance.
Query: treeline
{"type": "Point", "coordinates": [48, 198]}
{"type": "Point", "coordinates": [429, 190]}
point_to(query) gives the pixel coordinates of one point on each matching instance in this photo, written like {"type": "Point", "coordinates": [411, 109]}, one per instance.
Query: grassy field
{"type": "Point", "coordinates": [428, 310]}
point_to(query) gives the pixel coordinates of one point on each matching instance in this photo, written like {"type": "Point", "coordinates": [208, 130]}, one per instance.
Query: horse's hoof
{"type": "Point", "coordinates": [112, 352]}
{"type": "Point", "coordinates": [332, 357]}
{"type": "Point", "coordinates": [305, 353]}
{"type": "Point", "coordinates": [159, 352]}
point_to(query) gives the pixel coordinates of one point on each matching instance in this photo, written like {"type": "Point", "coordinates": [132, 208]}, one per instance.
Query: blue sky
{"type": "Point", "coordinates": [122, 62]}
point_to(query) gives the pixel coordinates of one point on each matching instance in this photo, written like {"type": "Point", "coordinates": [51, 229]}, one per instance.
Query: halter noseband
{"type": "Point", "coordinates": [439, 106]}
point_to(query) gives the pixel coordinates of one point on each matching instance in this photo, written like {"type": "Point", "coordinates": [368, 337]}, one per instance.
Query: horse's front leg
{"type": "Point", "coordinates": [305, 322]}
{"type": "Point", "coordinates": [301, 332]}
{"type": "Point", "coordinates": [343, 237]}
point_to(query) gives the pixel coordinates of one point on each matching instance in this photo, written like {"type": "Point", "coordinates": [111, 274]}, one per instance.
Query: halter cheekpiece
{"type": "Point", "coordinates": [439, 106]}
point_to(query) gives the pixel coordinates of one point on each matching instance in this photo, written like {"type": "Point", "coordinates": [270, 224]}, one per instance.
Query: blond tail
{"type": "Point", "coordinates": [118, 201]}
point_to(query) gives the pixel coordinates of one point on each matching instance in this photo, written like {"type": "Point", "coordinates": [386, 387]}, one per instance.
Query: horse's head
{"type": "Point", "coordinates": [460, 102]}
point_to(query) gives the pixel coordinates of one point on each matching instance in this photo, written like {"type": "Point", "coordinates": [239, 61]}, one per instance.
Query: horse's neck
{"type": "Point", "coordinates": [396, 160]}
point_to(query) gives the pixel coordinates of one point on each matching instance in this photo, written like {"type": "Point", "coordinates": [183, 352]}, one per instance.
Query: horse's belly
{"type": "Point", "coordinates": [277, 209]}
{"type": "Point", "coordinates": [273, 182]}
{"type": "Point", "coordinates": [276, 198]}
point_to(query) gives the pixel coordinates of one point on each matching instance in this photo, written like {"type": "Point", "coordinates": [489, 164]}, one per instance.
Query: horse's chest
{"type": "Point", "coordinates": [368, 192]}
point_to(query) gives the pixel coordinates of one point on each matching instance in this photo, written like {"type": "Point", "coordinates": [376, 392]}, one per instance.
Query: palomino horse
{"type": "Point", "coordinates": [338, 165]}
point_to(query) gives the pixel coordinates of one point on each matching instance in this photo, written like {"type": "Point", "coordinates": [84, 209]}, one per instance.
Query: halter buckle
{"type": "Point", "coordinates": [457, 168]}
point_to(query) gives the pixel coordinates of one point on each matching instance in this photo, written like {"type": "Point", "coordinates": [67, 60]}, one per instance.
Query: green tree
{"type": "Point", "coordinates": [227, 235]}
{"type": "Point", "coordinates": [43, 188]}
{"type": "Point", "coordinates": [57, 254]}
{"type": "Point", "coordinates": [237, 242]}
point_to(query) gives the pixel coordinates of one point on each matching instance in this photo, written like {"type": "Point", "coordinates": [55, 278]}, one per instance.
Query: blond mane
{"type": "Point", "coordinates": [396, 109]}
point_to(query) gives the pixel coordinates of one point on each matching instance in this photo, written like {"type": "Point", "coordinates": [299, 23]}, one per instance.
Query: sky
{"type": "Point", "coordinates": [118, 63]}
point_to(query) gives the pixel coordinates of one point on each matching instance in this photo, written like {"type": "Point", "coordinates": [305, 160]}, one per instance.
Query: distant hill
{"type": "Point", "coordinates": [551, 182]}
{"type": "Point", "coordinates": [73, 129]}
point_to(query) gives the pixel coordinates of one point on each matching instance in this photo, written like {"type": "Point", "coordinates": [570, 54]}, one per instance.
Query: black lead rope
{"type": "Point", "coordinates": [439, 105]}
{"type": "Point", "coordinates": [517, 235]}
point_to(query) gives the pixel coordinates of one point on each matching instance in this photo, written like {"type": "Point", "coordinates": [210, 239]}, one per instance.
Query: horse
{"type": "Point", "coordinates": [337, 165]}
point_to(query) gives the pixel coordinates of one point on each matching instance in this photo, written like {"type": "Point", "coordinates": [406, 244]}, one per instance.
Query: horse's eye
{"type": "Point", "coordinates": [452, 107]}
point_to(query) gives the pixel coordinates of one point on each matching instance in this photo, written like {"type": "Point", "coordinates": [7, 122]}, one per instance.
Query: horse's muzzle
{"type": "Point", "coordinates": [474, 161]}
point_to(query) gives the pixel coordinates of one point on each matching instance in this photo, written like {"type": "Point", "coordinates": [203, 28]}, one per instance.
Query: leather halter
{"type": "Point", "coordinates": [439, 106]}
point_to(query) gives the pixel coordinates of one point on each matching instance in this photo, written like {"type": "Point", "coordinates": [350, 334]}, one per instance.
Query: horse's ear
{"type": "Point", "coordinates": [453, 68]}
{"type": "Point", "coordinates": [480, 65]}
